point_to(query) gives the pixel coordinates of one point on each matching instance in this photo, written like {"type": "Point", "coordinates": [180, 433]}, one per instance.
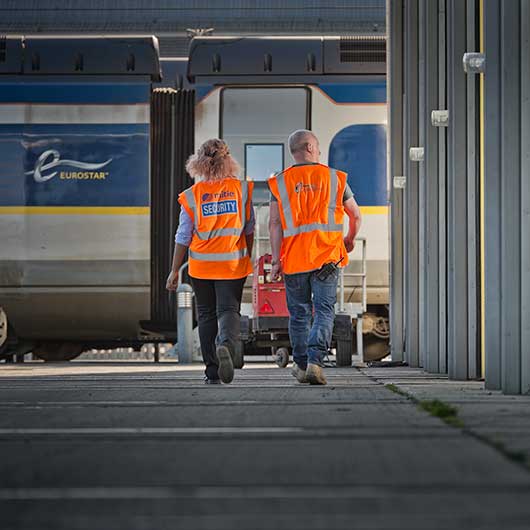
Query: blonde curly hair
{"type": "Point", "coordinates": [212, 161]}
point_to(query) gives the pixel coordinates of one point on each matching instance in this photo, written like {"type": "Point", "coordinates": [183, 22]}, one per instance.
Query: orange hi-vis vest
{"type": "Point", "coordinates": [311, 210]}
{"type": "Point", "coordinates": [219, 210]}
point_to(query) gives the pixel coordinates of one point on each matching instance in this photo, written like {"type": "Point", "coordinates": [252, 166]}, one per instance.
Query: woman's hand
{"type": "Point", "coordinates": [172, 281]}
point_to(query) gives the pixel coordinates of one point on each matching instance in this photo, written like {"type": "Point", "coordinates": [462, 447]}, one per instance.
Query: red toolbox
{"type": "Point", "coordinates": [268, 297]}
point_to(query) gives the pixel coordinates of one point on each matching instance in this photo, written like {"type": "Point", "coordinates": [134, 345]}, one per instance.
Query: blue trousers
{"type": "Point", "coordinates": [310, 341]}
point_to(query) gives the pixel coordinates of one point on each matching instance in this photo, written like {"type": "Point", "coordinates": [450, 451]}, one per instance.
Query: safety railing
{"type": "Point", "coordinates": [362, 275]}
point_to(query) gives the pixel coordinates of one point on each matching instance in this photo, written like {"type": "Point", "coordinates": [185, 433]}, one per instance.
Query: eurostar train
{"type": "Point", "coordinates": [91, 161]}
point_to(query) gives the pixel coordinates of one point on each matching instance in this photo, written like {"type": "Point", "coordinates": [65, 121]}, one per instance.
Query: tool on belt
{"type": "Point", "coordinates": [325, 271]}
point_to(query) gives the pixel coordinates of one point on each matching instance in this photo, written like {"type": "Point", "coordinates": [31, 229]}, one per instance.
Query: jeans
{"type": "Point", "coordinates": [305, 292]}
{"type": "Point", "coordinates": [218, 305]}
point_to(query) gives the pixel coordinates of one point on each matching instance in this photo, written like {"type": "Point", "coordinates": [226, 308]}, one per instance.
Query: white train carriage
{"type": "Point", "coordinates": [253, 92]}
{"type": "Point", "coordinates": [91, 163]}
{"type": "Point", "coordinates": [74, 189]}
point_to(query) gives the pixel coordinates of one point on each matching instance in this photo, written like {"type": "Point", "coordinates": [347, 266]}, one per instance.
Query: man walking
{"type": "Point", "coordinates": [308, 203]}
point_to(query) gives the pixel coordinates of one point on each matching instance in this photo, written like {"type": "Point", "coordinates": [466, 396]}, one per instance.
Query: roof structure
{"type": "Point", "coordinates": [171, 20]}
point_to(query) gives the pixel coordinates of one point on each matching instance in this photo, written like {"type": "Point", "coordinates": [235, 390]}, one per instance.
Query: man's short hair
{"type": "Point", "coordinates": [299, 139]}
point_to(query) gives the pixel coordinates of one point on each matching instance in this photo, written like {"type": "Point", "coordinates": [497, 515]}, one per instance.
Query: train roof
{"type": "Point", "coordinates": [221, 59]}
{"type": "Point", "coordinates": [87, 55]}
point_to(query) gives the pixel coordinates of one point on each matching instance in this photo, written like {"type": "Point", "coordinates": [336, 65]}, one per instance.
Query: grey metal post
{"type": "Point", "coordinates": [422, 276]}
{"type": "Point", "coordinates": [442, 190]}
{"type": "Point", "coordinates": [359, 336]}
{"type": "Point", "coordinates": [395, 169]}
{"type": "Point", "coordinates": [185, 323]}
{"type": "Point", "coordinates": [510, 284]}
{"type": "Point", "coordinates": [412, 220]}
{"type": "Point", "coordinates": [430, 36]}
{"type": "Point", "coordinates": [457, 211]}
{"type": "Point", "coordinates": [492, 192]}
{"type": "Point", "coordinates": [525, 194]}
{"type": "Point", "coordinates": [473, 205]}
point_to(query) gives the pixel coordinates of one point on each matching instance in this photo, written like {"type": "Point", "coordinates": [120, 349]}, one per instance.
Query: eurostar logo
{"type": "Point", "coordinates": [51, 159]}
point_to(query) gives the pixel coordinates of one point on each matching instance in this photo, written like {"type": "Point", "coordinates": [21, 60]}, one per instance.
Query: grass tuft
{"type": "Point", "coordinates": [445, 412]}
{"type": "Point", "coordinates": [449, 414]}
{"type": "Point", "coordinates": [393, 388]}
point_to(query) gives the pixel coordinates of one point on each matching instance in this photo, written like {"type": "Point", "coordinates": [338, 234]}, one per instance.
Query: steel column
{"type": "Point", "coordinates": [525, 196]}
{"type": "Point", "coordinates": [472, 198]}
{"type": "Point", "coordinates": [431, 166]}
{"type": "Point", "coordinates": [412, 189]}
{"type": "Point", "coordinates": [395, 168]}
{"type": "Point", "coordinates": [510, 197]}
{"type": "Point", "coordinates": [442, 189]}
{"type": "Point", "coordinates": [422, 273]}
{"type": "Point", "coordinates": [457, 241]}
{"type": "Point", "coordinates": [492, 193]}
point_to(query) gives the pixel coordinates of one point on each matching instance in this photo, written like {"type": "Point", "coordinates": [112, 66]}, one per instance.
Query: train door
{"type": "Point", "coordinates": [256, 122]}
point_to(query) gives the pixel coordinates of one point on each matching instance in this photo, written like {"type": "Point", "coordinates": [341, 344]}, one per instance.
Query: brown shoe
{"type": "Point", "coordinates": [299, 374]}
{"type": "Point", "coordinates": [226, 367]}
{"type": "Point", "coordinates": [315, 375]}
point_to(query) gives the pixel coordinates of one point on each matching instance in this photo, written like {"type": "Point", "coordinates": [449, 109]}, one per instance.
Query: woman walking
{"type": "Point", "coordinates": [216, 224]}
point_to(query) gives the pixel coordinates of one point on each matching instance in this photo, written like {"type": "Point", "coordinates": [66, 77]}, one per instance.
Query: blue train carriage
{"type": "Point", "coordinates": [74, 189]}
{"type": "Point", "coordinates": [254, 91]}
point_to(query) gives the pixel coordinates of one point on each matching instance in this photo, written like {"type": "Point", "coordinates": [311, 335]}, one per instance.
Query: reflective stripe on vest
{"type": "Point", "coordinates": [219, 232]}
{"type": "Point", "coordinates": [290, 229]}
{"type": "Point", "coordinates": [218, 256]}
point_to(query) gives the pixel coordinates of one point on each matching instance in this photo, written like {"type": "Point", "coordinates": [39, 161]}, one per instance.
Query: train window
{"type": "Point", "coordinates": [262, 160]}
{"type": "Point", "coordinates": [262, 117]}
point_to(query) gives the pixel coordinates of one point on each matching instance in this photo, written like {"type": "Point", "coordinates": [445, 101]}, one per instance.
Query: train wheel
{"type": "Point", "coordinates": [375, 348]}
{"type": "Point", "coordinates": [53, 352]}
{"type": "Point", "coordinates": [238, 358]}
{"type": "Point", "coordinates": [281, 357]}
{"type": "Point", "coordinates": [3, 331]}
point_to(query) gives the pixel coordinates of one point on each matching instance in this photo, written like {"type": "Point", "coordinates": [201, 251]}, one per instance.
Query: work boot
{"type": "Point", "coordinates": [208, 381]}
{"type": "Point", "coordinates": [299, 374]}
{"type": "Point", "coordinates": [315, 375]}
{"type": "Point", "coordinates": [226, 366]}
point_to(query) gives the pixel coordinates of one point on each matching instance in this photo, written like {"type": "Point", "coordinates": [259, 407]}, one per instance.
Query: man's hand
{"type": "Point", "coordinates": [276, 271]}
{"type": "Point", "coordinates": [352, 210]}
{"type": "Point", "coordinates": [349, 243]}
{"type": "Point", "coordinates": [172, 281]}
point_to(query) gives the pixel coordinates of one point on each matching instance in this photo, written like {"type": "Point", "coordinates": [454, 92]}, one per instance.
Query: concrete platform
{"type": "Point", "coordinates": [137, 446]}
{"type": "Point", "coordinates": [500, 419]}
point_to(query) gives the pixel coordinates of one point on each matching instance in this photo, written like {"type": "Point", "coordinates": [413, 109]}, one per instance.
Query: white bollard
{"type": "Point", "coordinates": [185, 323]}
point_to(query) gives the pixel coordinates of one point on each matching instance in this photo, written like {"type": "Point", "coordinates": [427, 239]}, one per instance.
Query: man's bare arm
{"type": "Point", "coordinates": [354, 217]}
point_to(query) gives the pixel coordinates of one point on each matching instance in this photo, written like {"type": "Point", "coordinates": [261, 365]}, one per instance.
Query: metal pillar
{"type": "Point", "coordinates": [473, 203]}
{"type": "Point", "coordinates": [185, 323]}
{"type": "Point", "coordinates": [412, 188]}
{"type": "Point", "coordinates": [525, 195]}
{"type": "Point", "coordinates": [395, 169]}
{"type": "Point", "coordinates": [457, 207]}
{"type": "Point", "coordinates": [507, 195]}
{"type": "Point", "coordinates": [429, 37]}
{"type": "Point", "coordinates": [492, 193]}
{"type": "Point", "coordinates": [510, 284]}
{"type": "Point", "coordinates": [442, 189]}
{"type": "Point", "coordinates": [422, 276]}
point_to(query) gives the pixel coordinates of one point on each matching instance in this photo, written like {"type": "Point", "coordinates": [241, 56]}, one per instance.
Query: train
{"type": "Point", "coordinates": [94, 133]}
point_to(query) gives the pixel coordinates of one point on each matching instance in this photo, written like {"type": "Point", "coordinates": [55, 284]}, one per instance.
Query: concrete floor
{"type": "Point", "coordinates": [141, 446]}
